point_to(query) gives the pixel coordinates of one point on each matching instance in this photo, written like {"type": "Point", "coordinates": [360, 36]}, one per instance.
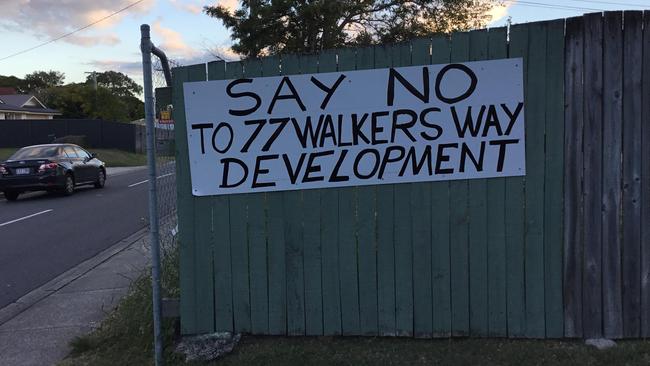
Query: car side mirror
{"type": "Point", "coordinates": [93, 155]}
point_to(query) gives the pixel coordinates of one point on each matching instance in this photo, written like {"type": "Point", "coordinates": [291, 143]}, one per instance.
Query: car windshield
{"type": "Point", "coordinates": [35, 152]}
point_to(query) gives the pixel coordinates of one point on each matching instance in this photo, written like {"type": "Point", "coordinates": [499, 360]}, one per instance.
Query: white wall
{"type": "Point", "coordinates": [4, 115]}
{"type": "Point", "coordinates": [35, 116]}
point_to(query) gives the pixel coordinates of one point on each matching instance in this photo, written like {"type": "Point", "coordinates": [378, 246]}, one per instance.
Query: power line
{"type": "Point", "coordinates": [72, 32]}
{"type": "Point", "coordinates": [612, 3]}
{"type": "Point", "coordinates": [550, 6]}
{"type": "Point", "coordinates": [570, 7]}
{"type": "Point", "coordinates": [512, 2]}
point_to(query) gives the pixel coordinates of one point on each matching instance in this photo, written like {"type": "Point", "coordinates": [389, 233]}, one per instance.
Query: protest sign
{"type": "Point", "coordinates": [395, 125]}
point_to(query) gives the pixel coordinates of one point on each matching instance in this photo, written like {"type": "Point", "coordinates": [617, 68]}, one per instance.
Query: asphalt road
{"type": "Point", "coordinates": [43, 235]}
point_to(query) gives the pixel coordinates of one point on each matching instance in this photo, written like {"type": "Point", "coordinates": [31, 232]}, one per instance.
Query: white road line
{"type": "Point", "coordinates": [25, 217]}
{"type": "Point", "coordinates": [146, 180]}
{"type": "Point", "coordinates": [137, 184]}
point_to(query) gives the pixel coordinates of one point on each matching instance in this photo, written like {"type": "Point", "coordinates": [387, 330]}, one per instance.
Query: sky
{"type": "Point", "coordinates": [177, 26]}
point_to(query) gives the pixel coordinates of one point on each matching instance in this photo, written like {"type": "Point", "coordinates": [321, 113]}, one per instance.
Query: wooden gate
{"type": "Point", "coordinates": [561, 252]}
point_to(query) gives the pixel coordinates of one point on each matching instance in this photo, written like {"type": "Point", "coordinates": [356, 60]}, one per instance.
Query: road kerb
{"type": "Point", "coordinates": [14, 309]}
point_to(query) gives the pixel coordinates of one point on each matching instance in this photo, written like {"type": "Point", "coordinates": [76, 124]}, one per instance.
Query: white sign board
{"type": "Point", "coordinates": [407, 124]}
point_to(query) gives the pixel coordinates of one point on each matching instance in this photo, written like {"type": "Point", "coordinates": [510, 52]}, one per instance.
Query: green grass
{"type": "Point", "coordinates": [6, 152]}
{"type": "Point", "coordinates": [111, 157]}
{"type": "Point", "coordinates": [114, 157]}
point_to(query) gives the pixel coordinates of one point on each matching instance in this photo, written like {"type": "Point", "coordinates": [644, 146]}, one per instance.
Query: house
{"type": "Point", "coordinates": [24, 106]}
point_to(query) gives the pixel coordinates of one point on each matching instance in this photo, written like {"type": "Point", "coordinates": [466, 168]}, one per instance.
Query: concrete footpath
{"type": "Point", "coordinates": [37, 328]}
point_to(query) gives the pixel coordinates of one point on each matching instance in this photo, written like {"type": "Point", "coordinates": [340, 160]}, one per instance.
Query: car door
{"type": "Point", "coordinates": [85, 165]}
{"type": "Point", "coordinates": [75, 163]}
{"type": "Point", "coordinates": [90, 164]}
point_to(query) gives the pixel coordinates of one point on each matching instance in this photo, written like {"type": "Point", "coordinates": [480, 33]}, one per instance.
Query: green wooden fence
{"type": "Point", "coordinates": [561, 252]}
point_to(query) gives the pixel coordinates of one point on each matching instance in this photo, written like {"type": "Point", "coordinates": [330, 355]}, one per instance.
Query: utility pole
{"type": "Point", "coordinates": [94, 74]}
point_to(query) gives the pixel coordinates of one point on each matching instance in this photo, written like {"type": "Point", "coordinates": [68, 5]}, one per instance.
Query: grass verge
{"type": "Point", "coordinates": [125, 338]}
{"type": "Point", "coordinates": [112, 157]}
{"type": "Point", "coordinates": [6, 152]}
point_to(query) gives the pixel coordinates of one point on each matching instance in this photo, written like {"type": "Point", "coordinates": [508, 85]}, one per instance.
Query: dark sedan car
{"type": "Point", "coordinates": [53, 167]}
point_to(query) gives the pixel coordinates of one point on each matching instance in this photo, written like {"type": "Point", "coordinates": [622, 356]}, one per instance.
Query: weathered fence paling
{"type": "Point", "coordinates": [561, 252]}
{"type": "Point", "coordinates": [611, 191]}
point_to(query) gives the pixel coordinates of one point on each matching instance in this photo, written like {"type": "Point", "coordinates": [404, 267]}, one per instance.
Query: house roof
{"type": "Point", "coordinates": [17, 102]}
{"type": "Point", "coordinates": [7, 90]}
{"type": "Point", "coordinates": [9, 108]}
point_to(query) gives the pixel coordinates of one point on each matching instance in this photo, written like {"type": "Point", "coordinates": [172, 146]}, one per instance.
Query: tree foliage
{"type": "Point", "coordinates": [115, 98]}
{"type": "Point", "coordinates": [81, 100]}
{"type": "Point", "coordinates": [40, 80]}
{"type": "Point", "coordinates": [261, 27]}
{"type": "Point", "coordinates": [70, 100]}
{"type": "Point", "coordinates": [13, 82]}
{"type": "Point", "coordinates": [117, 82]}
{"type": "Point", "coordinates": [33, 83]}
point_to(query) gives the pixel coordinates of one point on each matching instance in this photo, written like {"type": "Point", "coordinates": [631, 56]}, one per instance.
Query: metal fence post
{"type": "Point", "coordinates": [146, 47]}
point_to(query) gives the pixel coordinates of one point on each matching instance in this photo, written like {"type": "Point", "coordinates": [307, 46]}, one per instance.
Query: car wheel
{"type": "Point", "coordinates": [11, 195]}
{"type": "Point", "coordinates": [68, 188]}
{"type": "Point", "coordinates": [101, 179]}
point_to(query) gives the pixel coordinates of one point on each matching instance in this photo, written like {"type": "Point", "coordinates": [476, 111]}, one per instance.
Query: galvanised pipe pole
{"type": "Point", "coordinates": [145, 47]}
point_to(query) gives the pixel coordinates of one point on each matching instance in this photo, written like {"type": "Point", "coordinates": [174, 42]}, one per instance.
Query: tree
{"type": "Point", "coordinates": [41, 80]}
{"type": "Point", "coordinates": [118, 83]}
{"type": "Point", "coordinates": [13, 82]}
{"type": "Point", "coordinates": [70, 100]}
{"type": "Point", "coordinates": [302, 26]}
{"type": "Point", "coordinates": [107, 105]}
{"type": "Point", "coordinates": [81, 100]}
{"type": "Point", "coordinates": [36, 82]}
{"type": "Point", "coordinates": [116, 97]}
{"type": "Point", "coordinates": [134, 108]}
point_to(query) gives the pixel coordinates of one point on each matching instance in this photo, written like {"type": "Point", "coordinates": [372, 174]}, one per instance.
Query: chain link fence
{"type": "Point", "coordinates": [166, 178]}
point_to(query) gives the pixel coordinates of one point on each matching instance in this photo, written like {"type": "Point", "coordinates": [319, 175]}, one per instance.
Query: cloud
{"type": "Point", "coordinates": [229, 54]}
{"type": "Point", "coordinates": [97, 15]}
{"type": "Point", "coordinates": [134, 68]}
{"type": "Point", "coordinates": [178, 51]}
{"type": "Point", "coordinates": [90, 41]}
{"type": "Point", "coordinates": [126, 67]}
{"type": "Point", "coordinates": [47, 19]}
{"type": "Point", "coordinates": [500, 11]}
{"type": "Point", "coordinates": [229, 4]}
{"type": "Point", "coordinates": [224, 52]}
{"type": "Point", "coordinates": [173, 42]}
{"type": "Point", "coordinates": [194, 8]}
{"type": "Point", "coordinates": [219, 50]}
